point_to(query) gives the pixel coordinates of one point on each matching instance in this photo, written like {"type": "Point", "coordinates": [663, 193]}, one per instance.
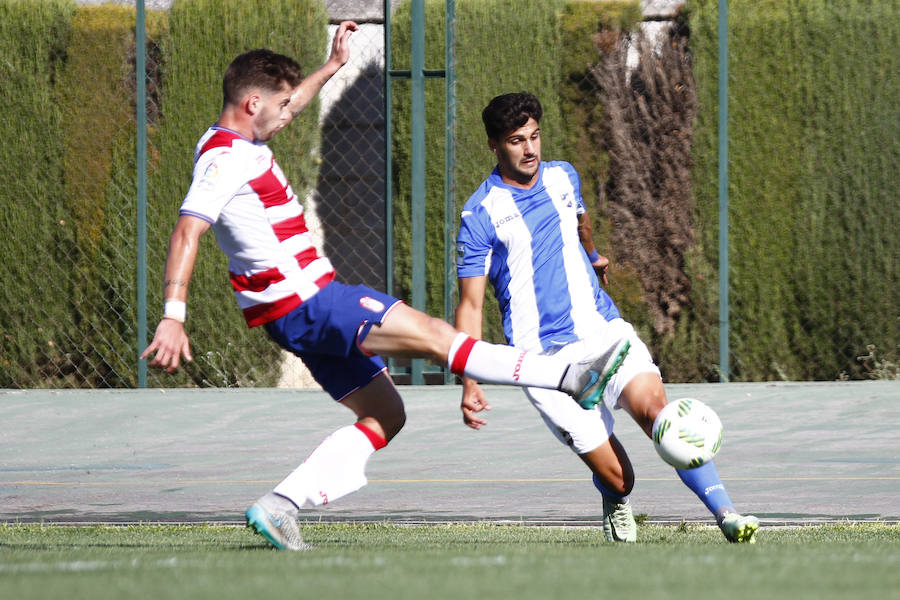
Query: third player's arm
{"type": "Point", "coordinates": [471, 299]}
{"type": "Point", "coordinates": [468, 320]}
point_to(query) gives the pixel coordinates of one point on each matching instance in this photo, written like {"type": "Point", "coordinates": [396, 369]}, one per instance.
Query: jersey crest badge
{"type": "Point", "coordinates": [371, 304]}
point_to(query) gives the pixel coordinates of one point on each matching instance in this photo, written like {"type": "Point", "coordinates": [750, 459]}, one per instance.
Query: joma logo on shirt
{"type": "Point", "coordinates": [504, 220]}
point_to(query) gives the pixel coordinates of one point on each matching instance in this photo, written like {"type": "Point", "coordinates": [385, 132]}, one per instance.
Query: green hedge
{"type": "Point", "coordinates": [815, 146]}
{"type": "Point", "coordinates": [814, 154]}
{"type": "Point", "coordinates": [68, 182]}
{"type": "Point", "coordinates": [98, 126]}
{"type": "Point", "coordinates": [588, 31]}
{"type": "Point", "coordinates": [36, 240]}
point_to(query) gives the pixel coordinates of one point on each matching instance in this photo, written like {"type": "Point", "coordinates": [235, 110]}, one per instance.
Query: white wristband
{"type": "Point", "coordinates": [175, 309]}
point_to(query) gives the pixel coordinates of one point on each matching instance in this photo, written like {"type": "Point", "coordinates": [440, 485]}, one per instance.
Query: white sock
{"type": "Point", "coordinates": [494, 363]}
{"type": "Point", "coordinates": [334, 469]}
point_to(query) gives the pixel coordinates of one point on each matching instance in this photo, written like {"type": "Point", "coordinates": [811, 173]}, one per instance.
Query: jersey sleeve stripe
{"type": "Point", "coordinates": [319, 268]}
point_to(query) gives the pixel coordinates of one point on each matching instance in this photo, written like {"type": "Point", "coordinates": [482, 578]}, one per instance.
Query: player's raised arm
{"type": "Point", "coordinates": [340, 54]}
{"type": "Point", "coordinates": [170, 342]}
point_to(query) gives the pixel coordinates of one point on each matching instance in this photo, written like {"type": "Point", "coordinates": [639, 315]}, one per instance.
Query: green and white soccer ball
{"type": "Point", "coordinates": [687, 433]}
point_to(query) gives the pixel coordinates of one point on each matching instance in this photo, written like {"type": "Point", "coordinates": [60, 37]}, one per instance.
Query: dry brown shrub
{"type": "Point", "coordinates": [651, 109]}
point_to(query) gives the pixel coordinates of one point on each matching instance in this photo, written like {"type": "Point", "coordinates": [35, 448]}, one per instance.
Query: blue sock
{"type": "Point", "coordinates": [705, 482]}
{"type": "Point", "coordinates": [612, 496]}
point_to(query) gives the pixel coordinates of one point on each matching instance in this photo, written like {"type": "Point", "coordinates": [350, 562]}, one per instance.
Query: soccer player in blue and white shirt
{"type": "Point", "coordinates": [526, 231]}
{"type": "Point", "coordinates": [283, 284]}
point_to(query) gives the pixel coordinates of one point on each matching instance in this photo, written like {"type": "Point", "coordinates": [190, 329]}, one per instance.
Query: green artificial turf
{"type": "Point", "coordinates": [369, 561]}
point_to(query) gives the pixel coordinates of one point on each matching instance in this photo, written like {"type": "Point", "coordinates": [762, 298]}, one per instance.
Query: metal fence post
{"type": "Point", "coordinates": [141, 143]}
{"type": "Point", "coordinates": [388, 157]}
{"type": "Point", "coordinates": [417, 75]}
{"type": "Point", "coordinates": [449, 168]}
{"type": "Point", "coordinates": [723, 192]}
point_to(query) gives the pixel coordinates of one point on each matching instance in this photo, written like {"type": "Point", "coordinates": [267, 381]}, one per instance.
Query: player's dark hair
{"type": "Point", "coordinates": [510, 111]}
{"type": "Point", "coordinates": [262, 69]}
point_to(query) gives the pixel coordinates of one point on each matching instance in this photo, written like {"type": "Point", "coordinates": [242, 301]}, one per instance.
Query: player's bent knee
{"type": "Point", "coordinates": [379, 403]}
{"type": "Point", "coordinates": [441, 334]}
{"type": "Point", "coordinates": [390, 416]}
{"type": "Point", "coordinates": [427, 336]}
{"type": "Point", "coordinates": [394, 423]}
{"type": "Point", "coordinates": [620, 487]}
{"type": "Point", "coordinates": [390, 413]}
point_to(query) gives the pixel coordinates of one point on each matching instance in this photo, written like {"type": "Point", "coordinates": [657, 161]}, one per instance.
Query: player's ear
{"type": "Point", "coordinates": [252, 103]}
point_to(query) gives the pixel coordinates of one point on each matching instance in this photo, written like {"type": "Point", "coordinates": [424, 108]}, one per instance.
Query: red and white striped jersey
{"type": "Point", "coordinates": [258, 221]}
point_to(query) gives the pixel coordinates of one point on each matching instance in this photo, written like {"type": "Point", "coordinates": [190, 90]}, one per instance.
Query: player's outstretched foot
{"type": "Point", "coordinates": [618, 522]}
{"type": "Point", "coordinates": [275, 518]}
{"type": "Point", "coordinates": [740, 529]}
{"type": "Point", "coordinates": [585, 381]}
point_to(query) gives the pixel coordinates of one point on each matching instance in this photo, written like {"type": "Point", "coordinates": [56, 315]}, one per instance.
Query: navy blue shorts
{"type": "Point", "coordinates": [326, 330]}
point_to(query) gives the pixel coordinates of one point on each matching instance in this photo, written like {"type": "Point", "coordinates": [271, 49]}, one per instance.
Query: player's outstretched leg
{"type": "Point", "coordinates": [586, 381]}
{"type": "Point", "coordinates": [275, 518]}
{"type": "Point", "coordinates": [406, 332]}
{"type": "Point", "coordinates": [739, 529]}
{"type": "Point", "coordinates": [705, 482]}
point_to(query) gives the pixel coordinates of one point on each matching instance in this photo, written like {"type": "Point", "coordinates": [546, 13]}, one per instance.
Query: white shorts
{"type": "Point", "coordinates": [580, 429]}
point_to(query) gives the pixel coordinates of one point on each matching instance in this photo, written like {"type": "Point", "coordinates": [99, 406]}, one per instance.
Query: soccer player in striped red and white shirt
{"type": "Point", "coordinates": [283, 284]}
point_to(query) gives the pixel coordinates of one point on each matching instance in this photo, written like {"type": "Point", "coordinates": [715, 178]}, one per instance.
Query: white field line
{"type": "Point", "coordinates": [81, 566]}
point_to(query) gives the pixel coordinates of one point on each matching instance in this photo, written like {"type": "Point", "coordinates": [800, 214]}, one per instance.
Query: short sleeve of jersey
{"type": "Point", "coordinates": [218, 175]}
{"type": "Point", "coordinates": [473, 244]}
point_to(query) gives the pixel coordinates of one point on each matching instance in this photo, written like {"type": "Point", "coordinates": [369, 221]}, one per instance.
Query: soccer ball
{"type": "Point", "coordinates": [687, 433]}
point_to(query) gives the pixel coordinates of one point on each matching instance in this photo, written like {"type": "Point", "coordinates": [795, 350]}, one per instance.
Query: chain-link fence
{"type": "Point", "coordinates": [345, 210]}
{"type": "Point", "coordinates": [638, 118]}
{"type": "Point", "coordinates": [68, 203]}
{"type": "Point", "coordinates": [809, 298]}
{"type": "Point", "coordinates": [69, 200]}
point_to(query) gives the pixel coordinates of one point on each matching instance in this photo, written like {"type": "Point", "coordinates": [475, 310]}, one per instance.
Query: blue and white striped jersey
{"type": "Point", "coordinates": [526, 242]}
